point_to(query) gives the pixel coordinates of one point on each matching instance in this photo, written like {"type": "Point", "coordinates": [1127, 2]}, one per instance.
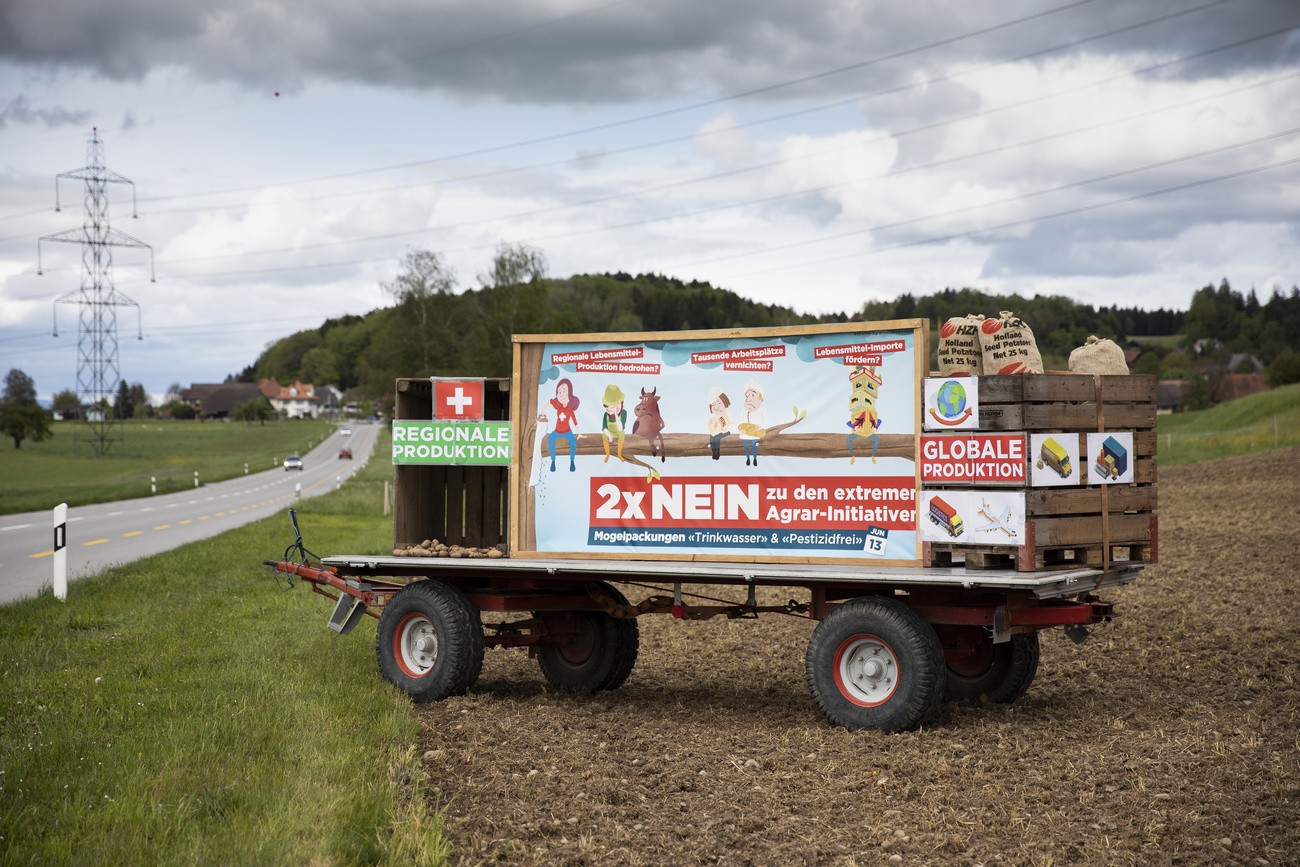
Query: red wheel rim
{"type": "Point", "coordinates": [583, 644]}
{"type": "Point", "coordinates": [415, 645]}
{"type": "Point", "coordinates": [866, 670]}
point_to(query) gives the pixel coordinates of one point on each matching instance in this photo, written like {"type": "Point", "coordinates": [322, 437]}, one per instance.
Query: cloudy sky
{"type": "Point", "coordinates": [820, 154]}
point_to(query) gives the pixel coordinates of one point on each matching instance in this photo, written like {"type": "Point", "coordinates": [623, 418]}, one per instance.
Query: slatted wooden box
{"type": "Point", "coordinates": [464, 505]}
{"type": "Point", "coordinates": [1079, 525]}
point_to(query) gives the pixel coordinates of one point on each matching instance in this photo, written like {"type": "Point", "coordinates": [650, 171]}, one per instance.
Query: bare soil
{"type": "Point", "coordinates": [1170, 737]}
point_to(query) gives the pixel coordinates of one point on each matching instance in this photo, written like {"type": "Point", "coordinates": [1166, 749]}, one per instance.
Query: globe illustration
{"type": "Point", "coordinates": [951, 399]}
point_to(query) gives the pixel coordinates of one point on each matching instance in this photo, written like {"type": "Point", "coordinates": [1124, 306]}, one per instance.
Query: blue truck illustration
{"type": "Point", "coordinates": [1112, 460]}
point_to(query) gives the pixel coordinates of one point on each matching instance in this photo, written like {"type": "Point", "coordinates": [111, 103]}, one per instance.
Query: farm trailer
{"type": "Point", "coordinates": [893, 639]}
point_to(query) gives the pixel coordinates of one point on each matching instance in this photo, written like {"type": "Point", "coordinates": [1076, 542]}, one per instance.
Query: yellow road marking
{"type": "Point", "coordinates": [43, 554]}
{"type": "Point", "coordinates": [96, 542]}
{"type": "Point", "coordinates": [133, 533]}
{"type": "Point", "coordinates": [164, 527]}
{"type": "Point", "coordinates": [203, 517]}
{"type": "Point", "coordinates": [187, 522]}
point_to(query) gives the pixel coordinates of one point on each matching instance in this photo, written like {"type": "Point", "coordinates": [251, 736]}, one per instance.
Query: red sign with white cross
{"type": "Point", "coordinates": [458, 400]}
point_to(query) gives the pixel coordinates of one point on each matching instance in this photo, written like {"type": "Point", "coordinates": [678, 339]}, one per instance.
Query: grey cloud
{"type": "Point", "coordinates": [19, 110]}
{"type": "Point", "coordinates": [515, 51]}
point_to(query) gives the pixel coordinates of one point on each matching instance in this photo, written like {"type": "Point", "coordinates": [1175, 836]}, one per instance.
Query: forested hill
{"type": "Point", "coordinates": [468, 333]}
{"type": "Point", "coordinates": [433, 330]}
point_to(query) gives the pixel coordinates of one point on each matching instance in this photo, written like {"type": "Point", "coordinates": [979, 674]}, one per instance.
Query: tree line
{"type": "Point", "coordinates": [436, 328]}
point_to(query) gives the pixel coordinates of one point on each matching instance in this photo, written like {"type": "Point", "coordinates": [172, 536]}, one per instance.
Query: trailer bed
{"type": "Point", "coordinates": [1055, 584]}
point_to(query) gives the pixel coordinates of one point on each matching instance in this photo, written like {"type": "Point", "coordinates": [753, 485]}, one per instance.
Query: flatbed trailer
{"type": "Point", "coordinates": [903, 623]}
{"type": "Point", "coordinates": [892, 642]}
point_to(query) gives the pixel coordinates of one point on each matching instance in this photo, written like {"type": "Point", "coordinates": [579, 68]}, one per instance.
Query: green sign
{"type": "Point", "coordinates": [482, 443]}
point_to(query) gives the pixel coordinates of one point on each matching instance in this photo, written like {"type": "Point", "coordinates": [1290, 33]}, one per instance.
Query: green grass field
{"type": "Point", "coordinates": [42, 475]}
{"type": "Point", "coordinates": [1262, 421]}
{"type": "Point", "coordinates": [180, 710]}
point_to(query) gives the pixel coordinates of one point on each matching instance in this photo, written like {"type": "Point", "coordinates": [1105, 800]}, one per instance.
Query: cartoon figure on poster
{"type": "Point", "coordinates": [719, 424]}
{"type": "Point", "coordinates": [650, 424]}
{"type": "Point", "coordinates": [753, 421]}
{"type": "Point", "coordinates": [863, 418]}
{"type": "Point", "coordinates": [614, 421]}
{"type": "Point", "coordinates": [565, 404]}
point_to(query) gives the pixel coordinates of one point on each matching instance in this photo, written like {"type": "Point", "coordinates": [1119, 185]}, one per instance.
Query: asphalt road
{"type": "Point", "coordinates": [108, 534]}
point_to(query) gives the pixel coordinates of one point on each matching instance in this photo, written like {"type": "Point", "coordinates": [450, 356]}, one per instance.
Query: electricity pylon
{"type": "Point", "coordinates": [98, 370]}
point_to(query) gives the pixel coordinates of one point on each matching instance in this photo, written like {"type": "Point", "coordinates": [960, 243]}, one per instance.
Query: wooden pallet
{"type": "Point", "coordinates": [460, 505]}
{"type": "Point", "coordinates": [1077, 525]}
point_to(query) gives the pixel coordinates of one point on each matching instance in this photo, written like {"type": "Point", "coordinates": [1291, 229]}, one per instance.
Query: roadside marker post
{"type": "Point", "coordinates": [153, 484]}
{"type": "Point", "coordinates": [61, 551]}
{"type": "Point", "coordinates": [297, 491]}
{"type": "Point", "coordinates": [245, 467]}
{"type": "Point", "coordinates": [196, 478]}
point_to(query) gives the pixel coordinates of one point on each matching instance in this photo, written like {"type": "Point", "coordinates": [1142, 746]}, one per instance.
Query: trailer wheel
{"type": "Point", "coordinates": [430, 641]}
{"type": "Point", "coordinates": [999, 673]}
{"type": "Point", "coordinates": [600, 656]}
{"type": "Point", "coordinates": [874, 663]}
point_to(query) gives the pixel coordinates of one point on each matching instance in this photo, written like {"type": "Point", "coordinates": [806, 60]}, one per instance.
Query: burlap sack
{"type": "Point", "coordinates": [959, 347]}
{"type": "Point", "coordinates": [1009, 346]}
{"type": "Point", "coordinates": [1098, 356]}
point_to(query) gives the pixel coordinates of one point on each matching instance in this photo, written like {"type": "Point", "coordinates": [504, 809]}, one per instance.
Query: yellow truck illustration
{"type": "Point", "coordinates": [1056, 457]}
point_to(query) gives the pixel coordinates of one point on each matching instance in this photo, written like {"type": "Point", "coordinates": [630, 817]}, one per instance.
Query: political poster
{"type": "Point", "coordinates": [775, 444]}
{"type": "Point", "coordinates": [1110, 458]}
{"type": "Point", "coordinates": [457, 399]}
{"type": "Point", "coordinates": [1054, 459]}
{"type": "Point", "coordinates": [952, 403]}
{"type": "Point", "coordinates": [973, 517]}
{"type": "Point", "coordinates": [973, 459]}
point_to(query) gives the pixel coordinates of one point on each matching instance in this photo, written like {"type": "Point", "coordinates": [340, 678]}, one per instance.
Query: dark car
{"type": "Point", "coordinates": [345, 454]}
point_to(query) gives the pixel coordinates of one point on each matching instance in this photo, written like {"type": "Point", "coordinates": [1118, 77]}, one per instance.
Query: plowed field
{"type": "Point", "coordinates": [1170, 737]}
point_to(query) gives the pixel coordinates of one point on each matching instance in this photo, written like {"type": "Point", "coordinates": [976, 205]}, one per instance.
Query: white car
{"type": "Point", "coordinates": [293, 462]}
{"type": "Point", "coordinates": [346, 432]}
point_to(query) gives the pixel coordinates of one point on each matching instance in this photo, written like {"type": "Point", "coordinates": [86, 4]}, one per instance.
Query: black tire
{"type": "Point", "coordinates": [601, 656]}
{"type": "Point", "coordinates": [424, 613]}
{"type": "Point", "coordinates": [998, 673]}
{"type": "Point", "coordinates": [874, 663]}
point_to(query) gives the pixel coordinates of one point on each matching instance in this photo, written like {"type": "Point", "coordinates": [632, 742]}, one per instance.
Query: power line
{"type": "Point", "coordinates": [769, 88]}
{"type": "Point", "coordinates": [916, 85]}
{"type": "Point", "coordinates": [393, 63]}
{"type": "Point", "coordinates": [388, 236]}
{"type": "Point", "coordinates": [955, 236]}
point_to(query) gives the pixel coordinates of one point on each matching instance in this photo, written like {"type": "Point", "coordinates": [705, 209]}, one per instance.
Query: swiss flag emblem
{"type": "Point", "coordinates": [458, 399]}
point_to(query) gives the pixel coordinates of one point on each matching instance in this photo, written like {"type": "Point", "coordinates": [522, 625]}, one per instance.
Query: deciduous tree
{"type": "Point", "coordinates": [21, 417]}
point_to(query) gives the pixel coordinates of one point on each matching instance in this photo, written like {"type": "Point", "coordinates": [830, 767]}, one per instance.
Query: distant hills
{"type": "Point", "coordinates": [430, 333]}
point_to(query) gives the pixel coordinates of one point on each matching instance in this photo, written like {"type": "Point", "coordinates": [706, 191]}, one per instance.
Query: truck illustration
{"type": "Point", "coordinates": [1056, 457]}
{"type": "Point", "coordinates": [1112, 460]}
{"type": "Point", "coordinates": [945, 516]}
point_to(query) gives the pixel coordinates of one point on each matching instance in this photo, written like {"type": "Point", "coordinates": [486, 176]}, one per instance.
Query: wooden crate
{"type": "Point", "coordinates": [1077, 525]}
{"type": "Point", "coordinates": [464, 506]}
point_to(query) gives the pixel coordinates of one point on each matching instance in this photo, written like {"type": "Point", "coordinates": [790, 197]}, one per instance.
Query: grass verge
{"type": "Point", "coordinates": [178, 710]}
{"type": "Point", "coordinates": [42, 475]}
{"type": "Point", "coordinates": [1263, 421]}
